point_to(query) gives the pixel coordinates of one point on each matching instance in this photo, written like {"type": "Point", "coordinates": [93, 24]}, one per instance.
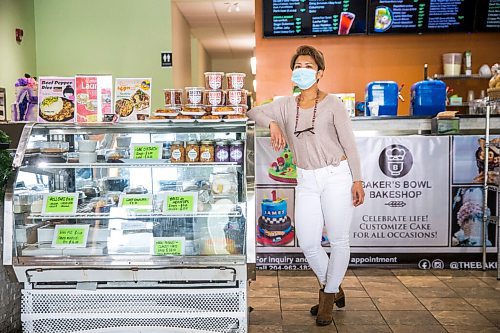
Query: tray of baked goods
{"type": "Point", "coordinates": [211, 114]}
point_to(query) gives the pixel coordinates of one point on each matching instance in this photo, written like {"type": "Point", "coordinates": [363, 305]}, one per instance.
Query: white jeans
{"type": "Point", "coordinates": [323, 198]}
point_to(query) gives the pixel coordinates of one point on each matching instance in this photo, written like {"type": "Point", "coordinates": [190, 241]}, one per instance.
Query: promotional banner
{"type": "Point", "coordinates": [415, 212]}
{"type": "Point", "coordinates": [406, 187]}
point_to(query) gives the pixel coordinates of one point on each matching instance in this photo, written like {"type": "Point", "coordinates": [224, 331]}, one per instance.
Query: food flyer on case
{"type": "Point", "coordinates": [56, 96]}
{"type": "Point", "coordinates": [133, 98]}
{"type": "Point", "coordinates": [94, 98]}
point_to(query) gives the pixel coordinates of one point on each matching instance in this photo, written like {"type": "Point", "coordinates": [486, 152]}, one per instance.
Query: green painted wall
{"type": "Point", "coordinates": [16, 58]}
{"type": "Point", "coordinates": [119, 37]}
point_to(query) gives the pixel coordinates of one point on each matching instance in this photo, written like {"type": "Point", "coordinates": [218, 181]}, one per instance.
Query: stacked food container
{"type": "Point", "coordinates": [206, 104]}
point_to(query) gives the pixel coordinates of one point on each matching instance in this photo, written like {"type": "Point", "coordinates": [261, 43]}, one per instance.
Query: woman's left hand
{"type": "Point", "coordinates": [358, 193]}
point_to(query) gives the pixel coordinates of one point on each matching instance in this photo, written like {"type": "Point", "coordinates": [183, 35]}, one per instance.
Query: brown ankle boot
{"type": "Point", "coordinates": [325, 309]}
{"type": "Point", "coordinates": [339, 302]}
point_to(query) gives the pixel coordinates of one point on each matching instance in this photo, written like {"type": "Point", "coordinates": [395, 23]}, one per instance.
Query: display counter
{"type": "Point", "coordinates": [127, 225]}
{"type": "Point", "coordinates": [424, 192]}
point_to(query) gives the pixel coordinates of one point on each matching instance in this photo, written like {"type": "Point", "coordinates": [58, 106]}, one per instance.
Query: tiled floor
{"type": "Point", "coordinates": [380, 300]}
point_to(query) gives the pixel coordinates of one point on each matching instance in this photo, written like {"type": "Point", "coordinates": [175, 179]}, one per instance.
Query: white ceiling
{"type": "Point", "coordinates": [223, 34]}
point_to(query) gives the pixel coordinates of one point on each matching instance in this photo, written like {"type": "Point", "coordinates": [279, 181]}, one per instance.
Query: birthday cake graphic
{"type": "Point", "coordinates": [283, 169]}
{"type": "Point", "coordinates": [274, 226]}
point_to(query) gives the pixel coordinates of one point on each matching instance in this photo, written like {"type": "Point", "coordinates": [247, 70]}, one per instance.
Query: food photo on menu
{"type": "Point", "coordinates": [132, 98]}
{"type": "Point", "coordinates": [57, 99]}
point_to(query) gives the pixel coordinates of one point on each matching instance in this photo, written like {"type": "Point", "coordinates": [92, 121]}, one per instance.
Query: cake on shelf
{"type": "Point", "coordinates": [274, 226]}
{"type": "Point", "coordinates": [283, 169]}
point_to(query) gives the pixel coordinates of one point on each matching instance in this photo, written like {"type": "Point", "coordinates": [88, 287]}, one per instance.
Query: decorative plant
{"type": "Point", "coordinates": [5, 162]}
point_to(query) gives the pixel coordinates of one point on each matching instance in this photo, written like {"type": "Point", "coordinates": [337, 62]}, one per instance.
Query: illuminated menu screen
{"type": "Point", "coordinates": [313, 17]}
{"type": "Point", "coordinates": [488, 15]}
{"type": "Point", "coordinates": [420, 16]}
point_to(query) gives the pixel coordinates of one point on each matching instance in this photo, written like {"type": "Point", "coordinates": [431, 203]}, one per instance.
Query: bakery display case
{"type": "Point", "coordinates": [132, 225]}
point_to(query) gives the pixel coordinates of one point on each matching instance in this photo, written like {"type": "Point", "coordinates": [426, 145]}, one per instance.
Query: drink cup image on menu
{"type": "Point", "coordinates": [346, 21]}
{"type": "Point", "coordinates": [383, 19]}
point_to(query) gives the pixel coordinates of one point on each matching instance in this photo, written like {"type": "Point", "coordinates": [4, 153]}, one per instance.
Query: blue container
{"type": "Point", "coordinates": [385, 94]}
{"type": "Point", "coordinates": [428, 98]}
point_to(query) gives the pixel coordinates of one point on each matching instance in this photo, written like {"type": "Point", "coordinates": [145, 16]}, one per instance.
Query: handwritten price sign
{"type": "Point", "coordinates": [181, 202]}
{"type": "Point", "coordinates": [147, 151]}
{"type": "Point", "coordinates": [137, 202]}
{"type": "Point", "coordinates": [62, 204]}
{"type": "Point", "coordinates": [169, 246]}
{"type": "Point", "coordinates": [70, 235]}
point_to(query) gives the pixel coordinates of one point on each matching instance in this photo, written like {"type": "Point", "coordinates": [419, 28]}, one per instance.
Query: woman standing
{"type": "Point", "coordinates": [318, 131]}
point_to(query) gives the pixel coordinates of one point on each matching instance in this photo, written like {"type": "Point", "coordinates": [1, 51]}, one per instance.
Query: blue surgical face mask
{"type": "Point", "coordinates": [304, 78]}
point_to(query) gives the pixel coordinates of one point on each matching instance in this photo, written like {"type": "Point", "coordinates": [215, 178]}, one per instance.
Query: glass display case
{"type": "Point", "coordinates": [133, 211]}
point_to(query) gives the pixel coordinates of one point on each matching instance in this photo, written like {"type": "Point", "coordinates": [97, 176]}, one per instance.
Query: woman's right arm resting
{"type": "Point", "coordinates": [264, 114]}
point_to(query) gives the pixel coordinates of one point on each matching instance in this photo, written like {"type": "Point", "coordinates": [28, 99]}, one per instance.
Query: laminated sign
{"type": "Point", "coordinates": [181, 202]}
{"type": "Point", "coordinates": [169, 246]}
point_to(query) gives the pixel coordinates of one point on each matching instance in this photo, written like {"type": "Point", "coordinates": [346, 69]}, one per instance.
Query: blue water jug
{"type": "Point", "coordinates": [383, 93]}
{"type": "Point", "coordinates": [428, 98]}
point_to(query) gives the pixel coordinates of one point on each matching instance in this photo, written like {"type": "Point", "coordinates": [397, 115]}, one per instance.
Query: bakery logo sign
{"type": "Point", "coordinates": [395, 161]}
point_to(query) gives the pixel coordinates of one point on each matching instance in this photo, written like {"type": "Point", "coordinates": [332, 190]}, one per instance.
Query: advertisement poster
{"type": "Point", "coordinates": [414, 213]}
{"type": "Point", "coordinates": [94, 98]}
{"type": "Point", "coordinates": [133, 98]}
{"type": "Point", "coordinates": [401, 206]}
{"type": "Point", "coordinates": [57, 99]}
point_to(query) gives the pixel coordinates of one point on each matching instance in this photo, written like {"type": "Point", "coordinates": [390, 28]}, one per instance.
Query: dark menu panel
{"type": "Point", "coordinates": [488, 15]}
{"type": "Point", "coordinates": [313, 17]}
{"type": "Point", "coordinates": [420, 16]}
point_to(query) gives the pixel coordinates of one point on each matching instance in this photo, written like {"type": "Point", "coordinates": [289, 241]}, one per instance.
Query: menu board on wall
{"type": "Point", "coordinates": [313, 17]}
{"type": "Point", "coordinates": [488, 15]}
{"type": "Point", "coordinates": [420, 16]}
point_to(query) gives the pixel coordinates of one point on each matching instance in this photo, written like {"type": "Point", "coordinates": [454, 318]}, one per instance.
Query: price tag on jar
{"type": "Point", "coordinates": [169, 246]}
{"type": "Point", "coordinates": [147, 151]}
{"type": "Point", "coordinates": [70, 235]}
{"type": "Point", "coordinates": [180, 202]}
{"type": "Point", "coordinates": [139, 203]}
{"type": "Point", "coordinates": [60, 204]}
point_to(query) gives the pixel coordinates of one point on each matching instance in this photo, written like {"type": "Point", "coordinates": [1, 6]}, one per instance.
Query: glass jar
{"type": "Point", "coordinates": [192, 151]}
{"type": "Point", "coordinates": [177, 152]}
{"type": "Point", "coordinates": [236, 152]}
{"type": "Point", "coordinates": [221, 151]}
{"type": "Point", "coordinates": [207, 151]}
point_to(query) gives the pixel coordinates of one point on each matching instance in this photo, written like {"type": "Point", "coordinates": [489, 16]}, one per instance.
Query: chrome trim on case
{"type": "Point", "coordinates": [250, 180]}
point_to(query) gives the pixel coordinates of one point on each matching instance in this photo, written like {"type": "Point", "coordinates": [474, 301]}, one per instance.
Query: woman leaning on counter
{"type": "Point", "coordinates": [317, 128]}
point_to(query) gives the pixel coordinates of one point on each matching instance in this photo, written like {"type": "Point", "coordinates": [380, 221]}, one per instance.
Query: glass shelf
{"type": "Point", "coordinates": [94, 216]}
{"type": "Point", "coordinates": [460, 77]}
{"type": "Point", "coordinates": [141, 164]}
